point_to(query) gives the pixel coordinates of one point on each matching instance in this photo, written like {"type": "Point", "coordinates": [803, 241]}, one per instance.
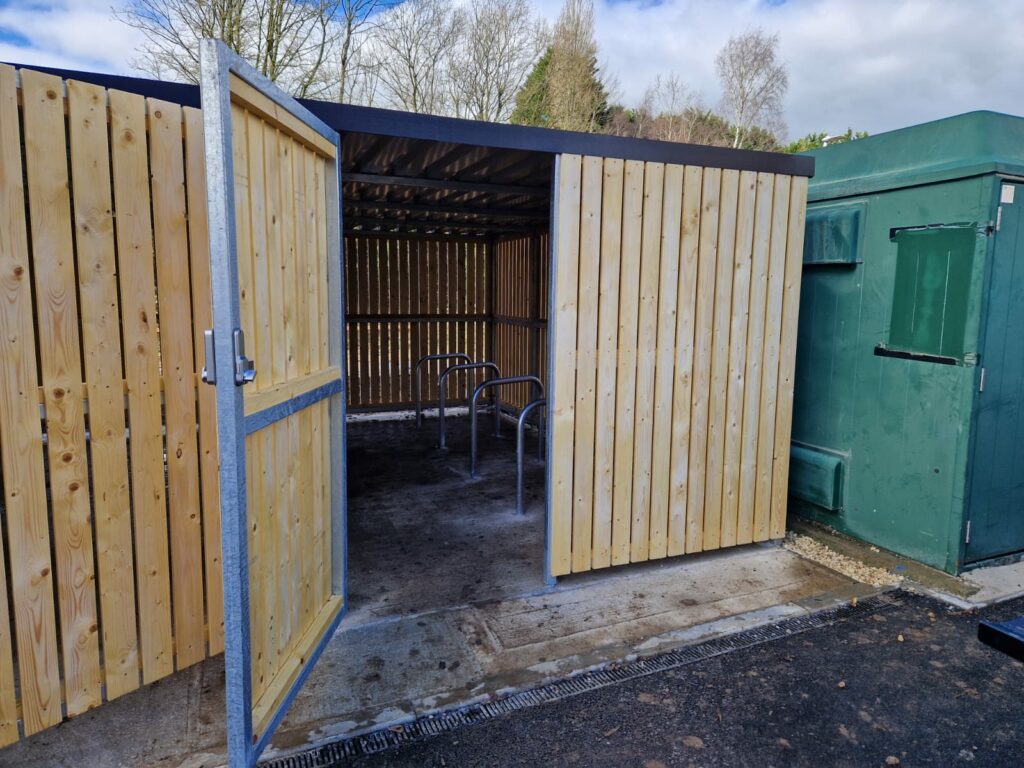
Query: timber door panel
{"type": "Point", "coordinates": [673, 324]}
{"type": "Point", "coordinates": [277, 288]}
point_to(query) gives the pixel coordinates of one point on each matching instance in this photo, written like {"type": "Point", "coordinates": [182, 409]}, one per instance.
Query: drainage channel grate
{"type": "Point", "coordinates": [330, 754]}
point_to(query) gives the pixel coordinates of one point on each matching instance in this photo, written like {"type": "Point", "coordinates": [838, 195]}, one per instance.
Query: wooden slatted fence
{"type": "Point", "coordinates": [520, 316]}
{"type": "Point", "coordinates": [406, 297]}
{"type": "Point", "coordinates": [110, 515]}
{"type": "Point", "coordinates": [676, 300]}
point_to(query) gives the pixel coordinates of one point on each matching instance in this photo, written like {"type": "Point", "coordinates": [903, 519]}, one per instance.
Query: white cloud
{"type": "Point", "coordinates": [74, 34]}
{"type": "Point", "coordinates": [867, 64]}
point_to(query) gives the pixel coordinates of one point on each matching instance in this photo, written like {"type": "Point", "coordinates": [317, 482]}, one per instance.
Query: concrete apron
{"type": "Point", "coordinates": [392, 671]}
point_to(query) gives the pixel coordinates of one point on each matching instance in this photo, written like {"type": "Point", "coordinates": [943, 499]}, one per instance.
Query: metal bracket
{"type": "Point", "coordinates": [245, 369]}
{"type": "Point", "coordinates": [209, 372]}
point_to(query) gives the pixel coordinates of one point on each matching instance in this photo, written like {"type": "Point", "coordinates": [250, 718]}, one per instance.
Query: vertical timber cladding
{"type": "Point", "coordinates": [521, 274]}
{"type": "Point", "coordinates": [110, 549]}
{"type": "Point", "coordinates": [406, 297]}
{"type": "Point", "coordinates": [674, 317]}
{"type": "Point", "coordinates": [282, 172]}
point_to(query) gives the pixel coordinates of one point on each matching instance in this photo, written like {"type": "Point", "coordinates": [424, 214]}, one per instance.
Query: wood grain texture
{"type": "Point", "coordinates": [770, 358]}
{"type": "Point", "coordinates": [704, 324]}
{"type": "Point", "coordinates": [102, 362]}
{"type": "Point", "coordinates": [111, 196]}
{"type": "Point", "coordinates": [787, 355]}
{"type": "Point", "coordinates": [177, 348]}
{"type": "Point", "coordinates": [720, 360]}
{"type": "Point", "coordinates": [202, 318]}
{"type": "Point", "coordinates": [140, 339]}
{"type": "Point", "coordinates": [61, 373]}
{"type": "Point", "coordinates": [562, 398]}
{"type": "Point", "coordinates": [282, 225]}
{"type": "Point", "coordinates": [739, 321]}
{"type": "Point", "coordinates": [586, 363]}
{"type": "Point", "coordinates": [685, 294]}
{"type": "Point", "coordinates": [755, 350]}
{"type": "Point", "coordinates": [625, 383]}
{"type": "Point", "coordinates": [28, 544]}
{"type": "Point", "coordinates": [689, 251]}
{"type": "Point", "coordinates": [607, 347]}
{"type": "Point", "coordinates": [666, 360]}
{"type": "Point", "coordinates": [647, 336]}
{"type": "Point", "coordinates": [400, 319]}
{"type": "Point", "coordinates": [8, 700]}
{"type": "Point", "coordinates": [277, 116]}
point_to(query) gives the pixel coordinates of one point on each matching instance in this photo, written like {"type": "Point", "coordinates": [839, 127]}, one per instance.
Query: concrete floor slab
{"type": "Point", "coordinates": [423, 536]}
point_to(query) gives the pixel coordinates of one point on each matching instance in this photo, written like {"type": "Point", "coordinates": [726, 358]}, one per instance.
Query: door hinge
{"type": "Point", "coordinates": [967, 540]}
{"type": "Point", "coordinates": [999, 217]}
{"type": "Point", "coordinates": [981, 381]}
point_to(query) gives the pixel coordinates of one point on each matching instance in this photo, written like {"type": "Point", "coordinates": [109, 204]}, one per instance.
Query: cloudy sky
{"type": "Point", "coordinates": [868, 64]}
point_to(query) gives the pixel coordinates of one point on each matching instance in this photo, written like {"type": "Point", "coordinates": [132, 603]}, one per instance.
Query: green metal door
{"type": "Point", "coordinates": [996, 498]}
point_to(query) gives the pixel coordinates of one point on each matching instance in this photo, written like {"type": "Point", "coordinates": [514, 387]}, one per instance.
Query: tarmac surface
{"type": "Point", "coordinates": [908, 684]}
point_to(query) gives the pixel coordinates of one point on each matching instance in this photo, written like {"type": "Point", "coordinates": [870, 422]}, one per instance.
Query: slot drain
{"type": "Point", "coordinates": [328, 755]}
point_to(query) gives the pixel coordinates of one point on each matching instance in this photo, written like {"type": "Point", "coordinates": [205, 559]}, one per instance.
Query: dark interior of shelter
{"type": "Point", "coordinates": [446, 253]}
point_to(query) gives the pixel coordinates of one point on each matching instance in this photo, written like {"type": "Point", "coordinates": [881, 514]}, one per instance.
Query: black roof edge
{"type": "Point", "coordinates": [349, 118]}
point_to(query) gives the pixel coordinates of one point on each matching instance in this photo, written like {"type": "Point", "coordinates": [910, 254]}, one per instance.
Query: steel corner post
{"type": "Point", "coordinates": [216, 103]}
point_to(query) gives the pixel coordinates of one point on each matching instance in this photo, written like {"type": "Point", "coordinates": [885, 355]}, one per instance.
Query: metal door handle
{"type": "Point", "coordinates": [245, 369]}
{"type": "Point", "coordinates": [209, 372]}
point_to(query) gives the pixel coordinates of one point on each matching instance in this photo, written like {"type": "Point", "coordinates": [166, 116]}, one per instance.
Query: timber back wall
{"type": "Point", "coordinates": [411, 296]}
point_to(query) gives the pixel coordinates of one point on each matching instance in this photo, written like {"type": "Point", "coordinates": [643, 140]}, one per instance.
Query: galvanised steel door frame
{"type": "Point", "coordinates": [217, 64]}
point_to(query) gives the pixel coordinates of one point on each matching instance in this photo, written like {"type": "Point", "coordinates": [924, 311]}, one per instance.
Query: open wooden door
{"type": "Point", "coordinates": [274, 355]}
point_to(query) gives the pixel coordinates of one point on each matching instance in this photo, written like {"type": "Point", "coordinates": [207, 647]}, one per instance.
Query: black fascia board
{"type": "Point", "coordinates": [349, 118]}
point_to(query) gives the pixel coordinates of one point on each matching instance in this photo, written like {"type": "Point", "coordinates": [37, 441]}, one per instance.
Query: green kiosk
{"type": "Point", "coordinates": [908, 428]}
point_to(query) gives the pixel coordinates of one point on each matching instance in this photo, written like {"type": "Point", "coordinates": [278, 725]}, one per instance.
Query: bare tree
{"type": "Point", "coordinates": [356, 71]}
{"type": "Point", "coordinates": [754, 82]}
{"type": "Point", "coordinates": [173, 28]}
{"type": "Point", "coordinates": [500, 44]}
{"type": "Point", "coordinates": [410, 47]}
{"type": "Point", "coordinates": [292, 40]}
{"type": "Point", "coordinates": [359, 75]}
{"type": "Point", "coordinates": [668, 102]}
{"type": "Point", "coordinates": [577, 99]}
{"type": "Point", "coordinates": [286, 40]}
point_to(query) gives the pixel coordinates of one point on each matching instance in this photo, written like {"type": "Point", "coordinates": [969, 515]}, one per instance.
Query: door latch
{"type": "Point", "coordinates": [209, 372]}
{"type": "Point", "coordinates": [245, 369]}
